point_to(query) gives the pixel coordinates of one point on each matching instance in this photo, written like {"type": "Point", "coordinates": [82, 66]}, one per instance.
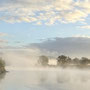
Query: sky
{"type": "Point", "coordinates": [32, 21]}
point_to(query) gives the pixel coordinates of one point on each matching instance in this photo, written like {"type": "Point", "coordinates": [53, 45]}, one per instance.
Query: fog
{"type": "Point", "coordinates": [24, 58]}
{"type": "Point", "coordinates": [24, 73]}
{"type": "Point", "coordinates": [21, 58]}
{"type": "Point", "coordinates": [46, 79]}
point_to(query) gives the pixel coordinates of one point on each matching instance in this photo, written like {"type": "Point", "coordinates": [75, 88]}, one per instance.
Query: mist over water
{"type": "Point", "coordinates": [24, 58]}
{"type": "Point", "coordinates": [47, 79]}
{"type": "Point", "coordinates": [21, 58]}
{"type": "Point", "coordinates": [24, 74]}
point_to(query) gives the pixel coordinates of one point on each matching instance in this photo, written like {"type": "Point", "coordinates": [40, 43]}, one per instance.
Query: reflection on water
{"type": "Point", "coordinates": [2, 76]}
{"type": "Point", "coordinates": [61, 79]}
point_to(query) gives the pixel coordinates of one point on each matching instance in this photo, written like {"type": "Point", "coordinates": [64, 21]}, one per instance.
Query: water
{"type": "Point", "coordinates": [45, 79]}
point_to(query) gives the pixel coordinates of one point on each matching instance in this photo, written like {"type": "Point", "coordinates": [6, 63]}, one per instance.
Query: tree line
{"type": "Point", "coordinates": [64, 60]}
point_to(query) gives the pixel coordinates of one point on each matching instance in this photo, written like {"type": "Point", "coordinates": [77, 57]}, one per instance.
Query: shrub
{"type": "Point", "coordinates": [43, 60]}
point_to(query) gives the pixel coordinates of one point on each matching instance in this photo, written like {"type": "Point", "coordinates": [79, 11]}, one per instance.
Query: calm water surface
{"type": "Point", "coordinates": [69, 79]}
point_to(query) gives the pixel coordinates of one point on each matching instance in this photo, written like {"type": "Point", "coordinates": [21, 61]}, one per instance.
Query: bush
{"type": "Point", "coordinates": [2, 63]}
{"type": "Point", "coordinates": [43, 60]}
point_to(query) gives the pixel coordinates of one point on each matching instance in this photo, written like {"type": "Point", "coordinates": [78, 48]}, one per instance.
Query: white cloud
{"type": "Point", "coordinates": [85, 27]}
{"type": "Point", "coordinates": [3, 34]}
{"type": "Point", "coordinates": [39, 23]}
{"type": "Point", "coordinates": [63, 5]}
{"type": "Point", "coordinates": [82, 36]}
{"type": "Point", "coordinates": [49, 11]}
{"type": "Point", "coordinates": [75, 16]}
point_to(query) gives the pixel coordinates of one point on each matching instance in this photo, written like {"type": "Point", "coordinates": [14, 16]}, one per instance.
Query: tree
{"type": "Point", "coordinates": [61, 60]}
{"type": "Point", "coordinates": [43, 60]}
{"type": "Point", "coordinates": [2, 63]}
{"type": "Point", "coordinates": [69, 60]}
{"type": "Point", "coordinates": [76, 61]}
{"type": "Point", "coordinates": [84, 61]}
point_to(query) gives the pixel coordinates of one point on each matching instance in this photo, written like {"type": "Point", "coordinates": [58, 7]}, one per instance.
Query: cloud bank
{"type": "Point", "coordinates": [44, 11]}
{"type": "Point", "coordinates": [73, 46]}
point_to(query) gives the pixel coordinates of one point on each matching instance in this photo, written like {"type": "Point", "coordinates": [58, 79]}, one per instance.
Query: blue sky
{"type": "Point", "coordinates": [26, 21]}
{"type": "Point", "coordinates": [26, 33]}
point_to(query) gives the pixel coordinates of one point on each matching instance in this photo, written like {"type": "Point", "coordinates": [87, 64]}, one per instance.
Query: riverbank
{"type": "Point", "coordinates": [2, 70]}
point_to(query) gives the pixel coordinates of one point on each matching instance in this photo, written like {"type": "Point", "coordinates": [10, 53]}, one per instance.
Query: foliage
{"type": "Point", "coordinates": [2, 63]}
{"type": "Point", "coordinates": [84, 61]}
{"type": "Point", "coordinates": [65, 61]}
{"type": "Point", "coordinates": [61, 60]}
{"type": "Point", "coordinates": [43, 60]}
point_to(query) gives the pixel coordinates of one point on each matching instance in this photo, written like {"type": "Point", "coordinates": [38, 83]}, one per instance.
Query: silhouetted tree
{"type": "Point", "coordinates": [43, 60]}
{"type": "Point", "coordinates": [84, 61]}
{"type": "Point", "coordinates": [61, 60]}
{"type": "Point", "coordinates": [2, 65]}
{"type": "Point", "coordinates": [69, 60]}
{"type": "Point", "coordinates": [76, 61]}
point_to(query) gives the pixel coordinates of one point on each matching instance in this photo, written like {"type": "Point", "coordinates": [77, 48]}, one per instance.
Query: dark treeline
{"type": "Point", "coordinates": [2, 65]}
{"type": "Point", "coordinates": [65, 61]}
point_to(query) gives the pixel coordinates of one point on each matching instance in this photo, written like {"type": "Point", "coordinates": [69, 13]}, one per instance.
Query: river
{"type": "Point", "coordinates": [45, 79]}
